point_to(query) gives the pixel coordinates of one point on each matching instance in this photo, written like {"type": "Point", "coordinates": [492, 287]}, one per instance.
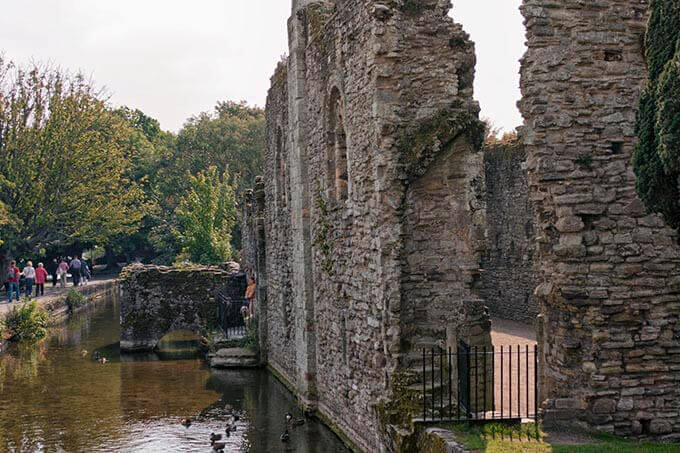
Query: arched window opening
{"type": "Point", "coordinates": [338, 174]}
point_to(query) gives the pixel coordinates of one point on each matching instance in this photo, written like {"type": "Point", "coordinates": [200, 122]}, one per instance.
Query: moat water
{"type": "Point", "coordinates": [53, 399]}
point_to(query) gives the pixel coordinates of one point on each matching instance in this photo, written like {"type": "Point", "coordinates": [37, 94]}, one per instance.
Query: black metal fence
{"type": "Point", "coordinates": [230, 316]}
{"type": "Point", "coordinates": [476, 383]}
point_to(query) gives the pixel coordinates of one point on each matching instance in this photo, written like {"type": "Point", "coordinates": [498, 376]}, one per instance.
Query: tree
{"type": "Point", "coordinates": [207, 215]}
{"type": "Point", "coordinates": [657, 155]}
{"type": "Point", "coordinates": [232, 138]}
{"type": "Point", "coordinates": [149, 150]}
{"type": "Point", "coordinates": [63, 162]}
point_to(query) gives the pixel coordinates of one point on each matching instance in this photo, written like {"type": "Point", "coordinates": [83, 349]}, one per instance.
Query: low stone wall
{"type": "Point", "coordinates": [59, 311]}
{"type": "Point", "coordinates": [509, 278]}
{"type": "Point", "coordinates": [157, 300]}
{"type": "Point", "coordinates": [56, 305]}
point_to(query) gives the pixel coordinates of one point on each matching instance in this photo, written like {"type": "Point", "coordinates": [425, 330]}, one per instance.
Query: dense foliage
{"type": "Point", "coordinates": [207, 215]}
{"type": "Point", "coordinates": [63, 162]}
{"type": "Point", "coordinates": [657, 156]}
{"type": "Point", "coordinates": [172, 169]}
{"type": "Point", "coordinates": [27, 322]}
{"type": "Point", "coordinates": [74, 299]}
{"type": "Point", "coordinates": [75, 172]}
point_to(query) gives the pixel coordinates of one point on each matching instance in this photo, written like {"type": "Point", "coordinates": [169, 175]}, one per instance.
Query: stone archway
{"type": "Point", "coordinates": [157, 300]}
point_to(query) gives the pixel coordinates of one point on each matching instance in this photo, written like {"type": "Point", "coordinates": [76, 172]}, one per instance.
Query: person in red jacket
{"type": "Point", "coordinates": [40, 278]}
{"type": "Point", "coordinates": [12, 281]}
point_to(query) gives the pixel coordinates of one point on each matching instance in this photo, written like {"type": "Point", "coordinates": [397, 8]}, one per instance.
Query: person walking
{"type": "Point", "coordinates": [40, 279]}
{"type": "Point", "coordinates": [84, 272]}
{"type": "Point", "coordinates": [75, 267]}
{"type": "Point", "coordinates": [12, 281]}
{"type": "Point", "coordinates": [62, 272]}
{"type": "Point", "coordinates": [29, 275]}
{"type": "Point", "coordinates": [51, 269]}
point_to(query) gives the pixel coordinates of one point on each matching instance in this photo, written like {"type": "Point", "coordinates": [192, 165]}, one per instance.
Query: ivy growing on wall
{"type": "Point", "coordinates": [657, 155]}
{"type": "Point", "coordinates": [321, 238]}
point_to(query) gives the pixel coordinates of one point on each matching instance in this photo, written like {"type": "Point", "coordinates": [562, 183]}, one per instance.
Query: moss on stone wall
{"type": "Point", "coordinates": [318, 15]}
{"type": "Point", "coordinates": [421, 144]}
{"type": "Point", "coordinates": [395, 414]}
{"type": "Point", "coordinates": [321, 238]}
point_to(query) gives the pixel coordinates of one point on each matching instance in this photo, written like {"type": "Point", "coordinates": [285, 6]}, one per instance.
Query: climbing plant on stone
{"type": "Point", "coordinates": [657, 156]}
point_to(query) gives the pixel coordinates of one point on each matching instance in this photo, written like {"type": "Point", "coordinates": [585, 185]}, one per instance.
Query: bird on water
{"type": "Point", "coordinates": [285, 437]}
{"type": "Point", "coordinates": [215, 437]}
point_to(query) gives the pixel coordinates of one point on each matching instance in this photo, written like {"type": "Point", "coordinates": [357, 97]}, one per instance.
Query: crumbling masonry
{"type": "Point", "coordinates": [373, 232]}
{"type": "Point", "coordinates": [609, 276]}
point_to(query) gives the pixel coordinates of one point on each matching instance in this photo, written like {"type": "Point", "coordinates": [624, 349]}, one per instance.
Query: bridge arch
{"type": "Point", "coordinates": [157, 300]}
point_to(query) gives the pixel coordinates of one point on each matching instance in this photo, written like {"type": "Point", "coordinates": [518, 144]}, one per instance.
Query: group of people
{"type": "Point", "coordinates": [22, 281]}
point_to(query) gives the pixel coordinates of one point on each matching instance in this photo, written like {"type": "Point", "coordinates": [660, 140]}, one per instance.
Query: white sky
{"type": "Point", "coordinates": [175, 58]}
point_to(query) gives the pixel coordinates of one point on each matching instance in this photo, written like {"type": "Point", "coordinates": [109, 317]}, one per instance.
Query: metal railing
{"type": "Point", "coordinates": [476, 383]}
{"type": "Point", "coordinates": [230, 316]}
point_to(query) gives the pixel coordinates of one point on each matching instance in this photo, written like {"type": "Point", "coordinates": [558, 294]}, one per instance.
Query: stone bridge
{"type": "Point", "coordinates": [157, 300]}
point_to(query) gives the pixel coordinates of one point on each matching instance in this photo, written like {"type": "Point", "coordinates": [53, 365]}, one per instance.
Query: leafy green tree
{"type": "Point", "coordinates": [149, 150]}
{"type": "Point", "coordinates": [207, 215]}
{"type": "Point", "coordinates": [657, 155]}
{"type": "Point", "coordinates": [232, 138]}
{"type": "Point", "coordinates": [63, 162]}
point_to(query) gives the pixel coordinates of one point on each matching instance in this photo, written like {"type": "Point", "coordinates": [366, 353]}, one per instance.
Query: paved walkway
{"type": "Point", "coordinates": [51, 293]}
{"type": "Point", "coordinates": [505, 332]}
{"type": "Point", "coordinates": [515, 368]}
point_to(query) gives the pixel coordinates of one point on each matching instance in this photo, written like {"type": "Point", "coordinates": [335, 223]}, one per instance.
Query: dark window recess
{"type": "Point", "coordinates": [616, 147]}
{"type": "Point", "coordinates": [613, 55]}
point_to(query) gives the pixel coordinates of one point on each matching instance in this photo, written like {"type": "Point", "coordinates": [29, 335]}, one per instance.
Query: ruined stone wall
{"type": "Point", "coordinates": [276, 221]}
{"type": "Point", "coordinates": [509, 279]}
{"type": "Point", "coordinates": [340, 137]}
{"type": "Point", "coordinates": [377, 109]}
{"type": "Point", "coordinates": [430, 110]}
{"type": "Point", "coordinates": [157, 300]}
{"type": "Point", "coordinates": [254, 255]}
{"type": "Point", "coordinates": [608, 270]}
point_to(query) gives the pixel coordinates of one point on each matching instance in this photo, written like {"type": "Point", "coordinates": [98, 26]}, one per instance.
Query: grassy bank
{"type": "Point", "coordinates": [499, 438]}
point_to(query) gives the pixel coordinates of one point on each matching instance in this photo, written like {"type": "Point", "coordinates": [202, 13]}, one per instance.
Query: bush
{"type": "Point", "coordinates": [251, 339]}
{"type": "Point", "coordinates": [74, 300]}
{"type": "Point", "coordinates": [27, 323]}
{"type": "Point", "coordinates": [657, 155]}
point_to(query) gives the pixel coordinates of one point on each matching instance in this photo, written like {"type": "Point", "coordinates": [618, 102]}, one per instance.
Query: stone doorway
{"type": "Point", "coordinates": [514, 335]}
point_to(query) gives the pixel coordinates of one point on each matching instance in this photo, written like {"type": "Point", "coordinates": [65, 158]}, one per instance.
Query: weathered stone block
{"type": "Point", "coordinates": [604, 406]}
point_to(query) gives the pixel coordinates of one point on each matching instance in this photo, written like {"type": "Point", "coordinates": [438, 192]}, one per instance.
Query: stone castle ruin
{"type": "Point", "coordinates": [381, 226]}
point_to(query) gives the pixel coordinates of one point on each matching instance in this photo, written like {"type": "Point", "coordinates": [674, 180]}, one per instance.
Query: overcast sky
{"type": "Point", "coordinates": [175, 58]}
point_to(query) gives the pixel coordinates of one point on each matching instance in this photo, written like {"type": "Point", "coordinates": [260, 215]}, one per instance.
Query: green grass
{"type": "Point", "coordinates": [501, 438]}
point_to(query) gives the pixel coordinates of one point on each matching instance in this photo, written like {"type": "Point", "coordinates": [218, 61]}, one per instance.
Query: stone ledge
{"type": "Point", "coordinates": [235, 358]}
{"type": "Point", "coordinates": [440, 440]}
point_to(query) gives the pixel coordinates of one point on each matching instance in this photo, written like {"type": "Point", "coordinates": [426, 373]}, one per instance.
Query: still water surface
{"type": "Point", "coordinates": [55, 400]}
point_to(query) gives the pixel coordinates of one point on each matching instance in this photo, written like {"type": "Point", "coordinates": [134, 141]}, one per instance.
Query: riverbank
{"type": "Point", "coordinates": [54, 302]}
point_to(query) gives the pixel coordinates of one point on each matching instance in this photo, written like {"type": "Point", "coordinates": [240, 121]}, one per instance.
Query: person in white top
{"type": "Point", "coordinates": [29, 275]}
